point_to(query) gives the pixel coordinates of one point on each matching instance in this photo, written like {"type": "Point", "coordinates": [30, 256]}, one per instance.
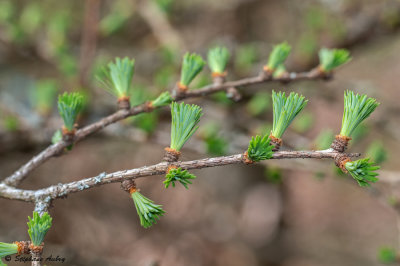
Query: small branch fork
{"type": "Point", "coordinates": [56, 149]}
{"type": "Point", "coordinates": [43, 197]}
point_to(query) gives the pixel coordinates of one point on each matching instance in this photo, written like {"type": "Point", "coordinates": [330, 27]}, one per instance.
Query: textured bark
{"type": "Point", "coordinates": [45, 195]}
{"type": "Point", "coordinates": [36, 253]}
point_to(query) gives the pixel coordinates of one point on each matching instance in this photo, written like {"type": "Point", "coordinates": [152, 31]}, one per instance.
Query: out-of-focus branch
{"type": "Point", "coordinates": [89, 38]}
{"type": "Point", "coordinates": [160, 25]}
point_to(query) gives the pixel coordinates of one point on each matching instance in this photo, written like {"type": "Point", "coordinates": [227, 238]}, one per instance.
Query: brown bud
{"type": "Point", "coordinates": [218, 78]}
{"type": "Point", "coordinates": [123, 103]}
{"type": "Point", "coordinates": [181, 87]}
{"type": "Point", "coordinates": [68, 135]}
{"type": "Point", "coordinates": [36, 249]}
{"type": "Point", "coordinates": [129, 186]}
{"type": "Point", "coordinates": [276, 142]}
{"type": "Point", "coordinates": [233, 94]}
{"type": "Point", "coordinates": [246, 159]}
{"type": "Point", "coordinates": [23, 247]}
{"type": "Point", "coordinates": [171, 155]}
{"type": "Point", "coordinates": [340, 161]}
{"type": "Point", "coordinates": [266, 73]}
{"type": "Point", "coordinates": [340, 143]}
{"type": "Point", "coordinates": [148, 107]}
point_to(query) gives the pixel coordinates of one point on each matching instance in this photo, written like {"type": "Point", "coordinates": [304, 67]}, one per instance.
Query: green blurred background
{"type": "Point", "coordinates": [293, 212]}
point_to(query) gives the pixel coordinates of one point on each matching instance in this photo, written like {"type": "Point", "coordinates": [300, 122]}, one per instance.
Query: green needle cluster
{"type": "Point", "coordinates": [7, 249]}
{"type": "Point", "coordinates": [191, 66]}
{"type": "Point", "coordinates": [117, 77]}
{"type": "Point", "coordinates": [363, 171]}
{"type": "Point", "coordinates": [38, 226]}
{"type": "Point", "coordinates": [260, 149]}
{"type": "Point", "coordinates": [356, 109]}
{"type": "Point", "coordinates": [285, 109]}
{"type": "Point", "coordinates": [278, 55]}
{"type": "Point", "coordinates": [332, 58]}
{"type": "Point", "coordinates": [178, 175]}
{"type": "Point", "coordinates": [69, 107]}
{"type": "Point", "coordinates": [218, 58]}
{"type": "Point", "coordinates": [185, 118]}
{"type": "Point", "coordinates": [148, 212]}
{"type": "Point", "coordinates": [163, 99]}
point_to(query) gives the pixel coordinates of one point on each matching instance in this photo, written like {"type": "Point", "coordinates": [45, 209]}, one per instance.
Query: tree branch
{"type": "Point", "coordinates": [56, 149]}
{"type": "Point", "coordinates": [45, 195]}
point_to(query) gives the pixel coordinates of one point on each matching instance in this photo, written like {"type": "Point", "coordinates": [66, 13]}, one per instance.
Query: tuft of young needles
{"type": "Point", "coordinates": [185, 118]}
{"type": "Point", "coordinates": [69, 107]}
{"type": "Point", "coordinates": [260, 149]}
{"type": "Point", "coordinates": [117, 77]}
{"type": "Point", "coordinates": [38, 226]}
{"type": "Point", "coordinates": [163, 99]}
{"type": "Point", "coordinates": [278, 55]}
{"type": "Point", "coordinates": [333, 58]}
{"type": "Point", "coordinates": [285, 109]}
{"type": "Point", "coordinates": [178, 175]}
{"type": "Point", "coordinates": [356, 109]}
{"type": "Point", "coordinates": [363, 171]}
{"type": "Point", "coordinates": [218, 58]}
{"type": "Point", "coordinates": [147, 211]}
{"type": "Point", "coordinates": [191, 66]}
{"type": "Point", "coordinates": [7, 249]}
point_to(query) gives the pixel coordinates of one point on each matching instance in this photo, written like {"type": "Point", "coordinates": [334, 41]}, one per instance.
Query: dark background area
{"type": "Point", "coordinates": [289, 212]}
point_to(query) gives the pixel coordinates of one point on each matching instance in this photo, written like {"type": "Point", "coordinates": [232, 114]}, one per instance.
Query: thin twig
{"type": "Point", "coordinates": [62, 190]}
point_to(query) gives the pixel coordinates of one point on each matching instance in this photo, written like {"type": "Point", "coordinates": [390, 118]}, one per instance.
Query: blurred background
{"type": "Point", "coordinates": [277, 213]}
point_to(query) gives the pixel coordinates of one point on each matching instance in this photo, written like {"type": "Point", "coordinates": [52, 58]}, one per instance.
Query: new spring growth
{"type": "Point", "coordinates": [363, 171]}
{"type": "Point", "coordinates": [7, 249]}
{"type": "Point", "coordinates": [218, 58]}
{"type": "Point", "coordinates": [259, 149]}
{"type": "Point", "coordinates": [178, 175]}
{"type": "Point", "coordinates": [117, 77]}
{"type": "Point", "coordinates": [332, 58]}
{"type": "Point", "coordinates": [148, 212]}
{"type": "Point", "coordinates": [185, 118]}
{"type": "Point", "coordinates": [191, 66]}
{"type": "Point", "coordinates": [285, 109]}
{"type": "Point", "coordinates": [356, 109]}
{"type": "Point", "coordinates": [163, 99]}
{"type": "Point", "coordinates": [278, 55]}
{"type": "Point", "coordinates": [69, 106]}
{"type": "Point", "coordinates": [38, 226]}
